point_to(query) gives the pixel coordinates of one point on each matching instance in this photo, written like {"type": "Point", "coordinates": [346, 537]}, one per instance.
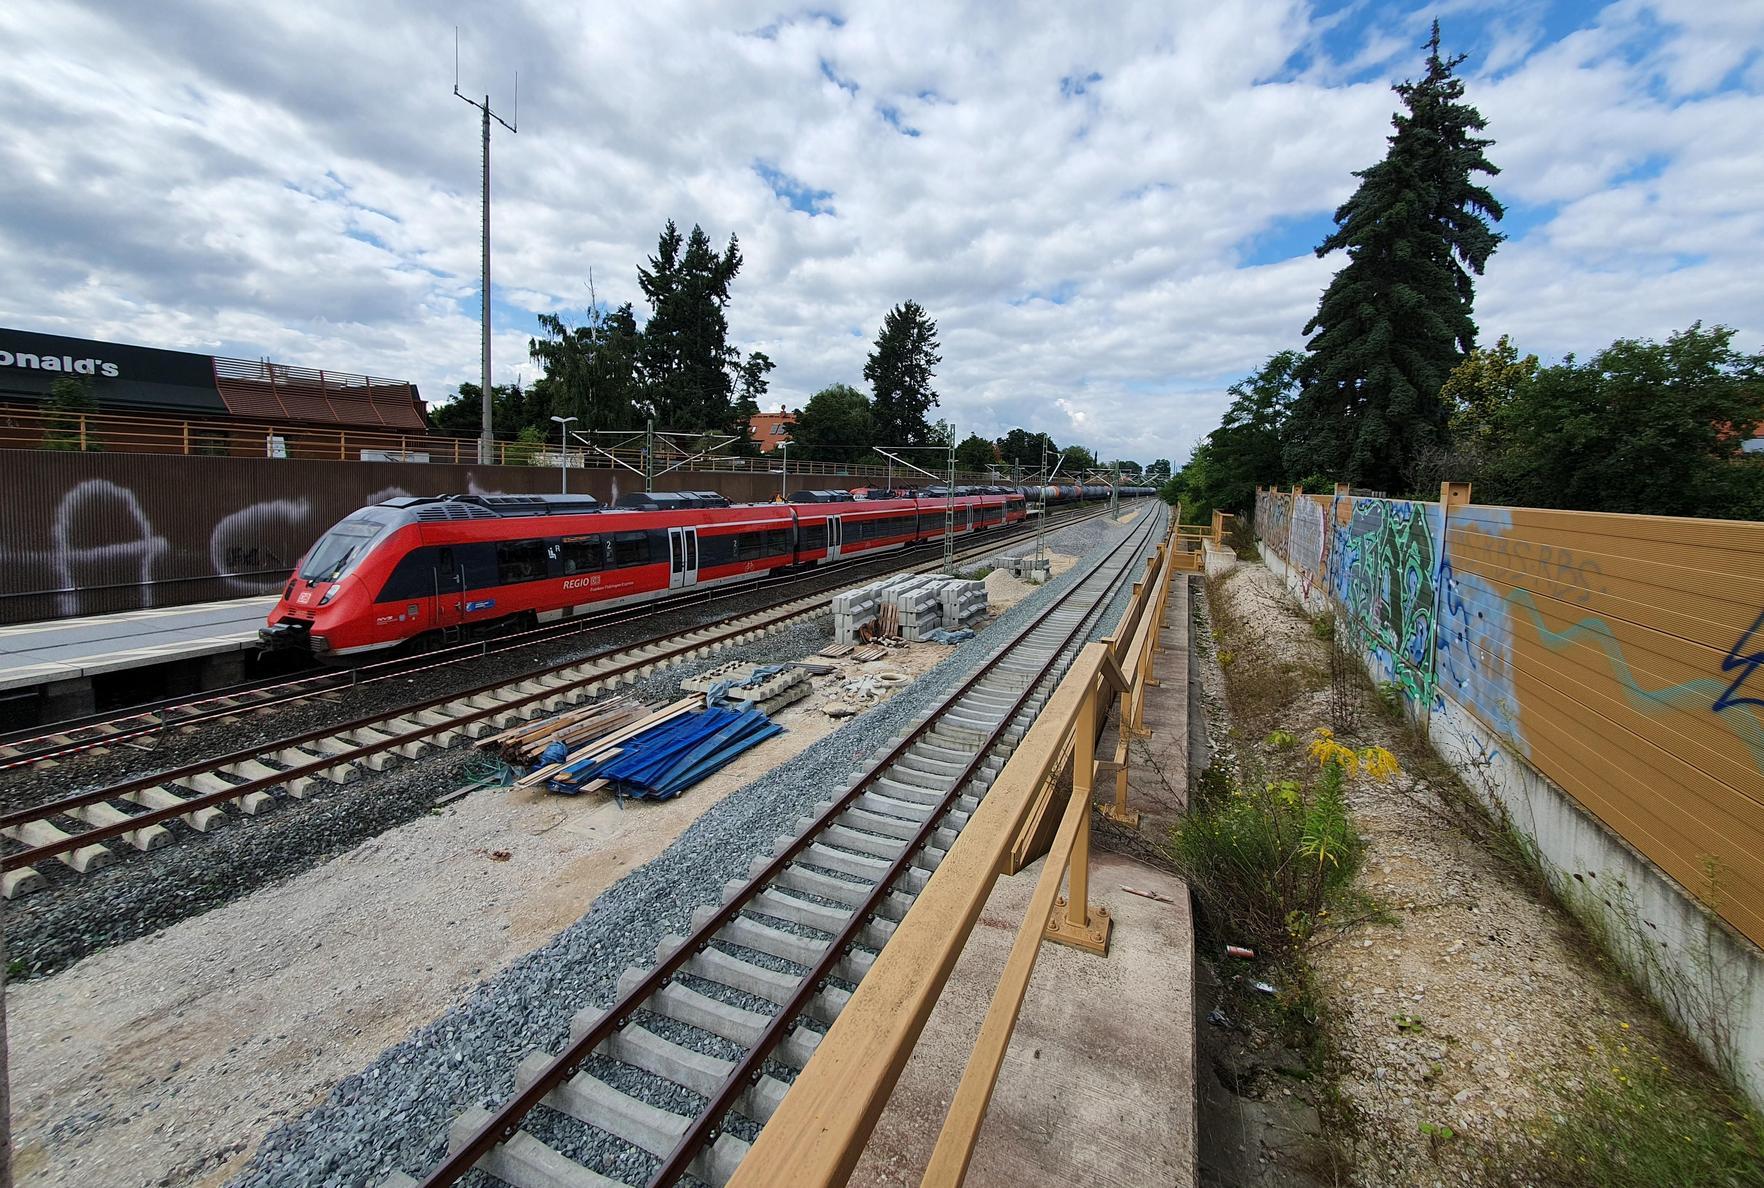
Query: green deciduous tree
{"type": "Point", "coordinates": [1022, 448]}
{"type": "Point", "coordinates": [1158, 471]}
{"type": "Point", "coordinates": [837, 425]}
{"type": "Point", "coordinates": [1646, 427]}
{"type": "Point", "coordinates": [750, 392]}
{"type": "Point", "coordinates": [687, 360]}
{"type": "Point", "coordinates": [1246, 450]}
{"type": "Point", "coordinates": [69, 400]}
{"type": "Point", "coordinates": [899, 371]}
{"type": "Point", "coordinates": [1396, 319]}
{"type": "Point", "coordinates": [511, 410]}
{"type": "Point", "coordinates": [591, 369]}
{"type": "Point", "coordinates": [975, 454]}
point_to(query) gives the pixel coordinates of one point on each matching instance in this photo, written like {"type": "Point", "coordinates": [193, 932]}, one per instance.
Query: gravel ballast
{"type": "Point", "coordinates": [78, 914]}
{"type": "Point", "coordinates": [395, 1113]}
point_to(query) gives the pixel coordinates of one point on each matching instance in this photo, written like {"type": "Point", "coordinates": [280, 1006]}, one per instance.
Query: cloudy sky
{"type": "Point", "coordinates": [1108, 210]}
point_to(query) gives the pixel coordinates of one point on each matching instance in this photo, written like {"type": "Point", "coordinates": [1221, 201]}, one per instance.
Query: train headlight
{"type": "Point", "coordinates": [331, 593]}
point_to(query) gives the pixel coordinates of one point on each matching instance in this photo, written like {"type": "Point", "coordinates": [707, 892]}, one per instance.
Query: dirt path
{"type": "Point", "coordinates": [165, 1060]}
{"type": "Point", "coordinates": [1466, 1010]}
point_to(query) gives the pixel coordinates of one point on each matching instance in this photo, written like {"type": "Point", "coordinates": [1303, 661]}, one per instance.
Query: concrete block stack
{"type": "Point", "coordinates": [907, 606]}
{"type": "Point", "coordinates": [963, 602]}
{"type": "Point", "coordinates": [1027, 568]}
{"type": "Point", "coordinates": [919, 607]}
{"type": "Point", "coordinates": [854, 610]}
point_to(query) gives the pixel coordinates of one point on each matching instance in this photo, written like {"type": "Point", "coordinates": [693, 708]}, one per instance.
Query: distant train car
{"type": "Point", "coordinates": [434, 570]}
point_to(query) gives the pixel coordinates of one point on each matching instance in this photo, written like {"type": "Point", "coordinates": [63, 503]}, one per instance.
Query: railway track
{"type": "Point", "coordinates": [778, 957]}
{"type": "Point", "coordinates": [84, 831]}
{"type": "Point", "coordinates": [139, 725]}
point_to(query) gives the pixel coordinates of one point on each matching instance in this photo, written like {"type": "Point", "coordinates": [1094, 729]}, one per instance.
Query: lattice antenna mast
{"type": "Point", "coordinates": [486, 440]}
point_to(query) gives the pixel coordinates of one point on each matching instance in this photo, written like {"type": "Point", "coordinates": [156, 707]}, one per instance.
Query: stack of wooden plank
{"type": "Point", "coordinates": [609, 743]}
{"type": "Point", "coordinates": [667, 758]}
{"type": "Point", "coordinates": [524, 744]}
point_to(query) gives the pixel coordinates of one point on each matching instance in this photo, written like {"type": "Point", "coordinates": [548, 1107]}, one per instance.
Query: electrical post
{"type": "Point", "coordinates": [949, 512]}
{"type": "Point", "coordinates": [486, 438]}
{"type": "Point", "coordinates": [1041, 520]}
{"type": "Point", "coordinates": [564, 424]}
{"type": "Point", "coordinates": [649, 456]}
{"type": "Point", "coordinates": [1115, 492]}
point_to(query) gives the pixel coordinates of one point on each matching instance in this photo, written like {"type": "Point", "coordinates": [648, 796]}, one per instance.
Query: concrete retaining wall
{"type": "Point", "coordinates": [1705, 975]}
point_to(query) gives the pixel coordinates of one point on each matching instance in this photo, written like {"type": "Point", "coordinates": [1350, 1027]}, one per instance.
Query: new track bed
{"type": "Point", "coordinates": [728, 1014]}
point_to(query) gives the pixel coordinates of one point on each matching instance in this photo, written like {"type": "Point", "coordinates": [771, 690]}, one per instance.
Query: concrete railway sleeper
{"type": "Point", "coordinates": [821, 906]}
{"type": "Point", "coordinates": [199, 794]}
{"type": "Point", "coordinates": [97, 733]}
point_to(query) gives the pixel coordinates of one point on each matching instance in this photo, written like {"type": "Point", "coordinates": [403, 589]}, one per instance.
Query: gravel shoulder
{"type": "Point", "coordinates": [165, 1059]}
{"type": "Point", "coordinates": [1465, 1009]}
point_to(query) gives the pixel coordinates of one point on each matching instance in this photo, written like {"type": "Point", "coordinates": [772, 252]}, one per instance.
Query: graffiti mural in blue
{"type": "Point", "coordinates": [1384, 568]}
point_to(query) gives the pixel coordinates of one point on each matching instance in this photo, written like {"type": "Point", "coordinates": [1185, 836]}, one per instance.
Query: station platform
{"type": "Point", "coordinates": [59, 658]}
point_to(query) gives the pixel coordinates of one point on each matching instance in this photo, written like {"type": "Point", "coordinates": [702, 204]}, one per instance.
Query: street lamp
{"type": "Point", "coordinates": [564, 422]}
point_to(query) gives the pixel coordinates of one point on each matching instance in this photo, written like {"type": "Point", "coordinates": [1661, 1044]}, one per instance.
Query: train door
{"type": "Point", "coordinates": [682, 556]}
{"type": "Point", "coordinates": [835, 536]}
{"type": "Point", "coordinates": [449, 593]}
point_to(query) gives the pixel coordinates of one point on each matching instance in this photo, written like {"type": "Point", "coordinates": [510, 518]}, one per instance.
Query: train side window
{"type": "Point", "coordinates": [813, 536]}
{"type": "Point", "coordinates": [412, 577]}
{"type": "Point", "coordinates": [777, 541]}
{"type": "Point", "coordinates": [444, 574]}
{"type": "Point", "coordinates": [582, 554]}
{"type": "Point", "coordinates": [630, 548]}
{"type": "Point", "coordinates": [520, 561]}
{"type": "Point", "coordinates": [715, 550]}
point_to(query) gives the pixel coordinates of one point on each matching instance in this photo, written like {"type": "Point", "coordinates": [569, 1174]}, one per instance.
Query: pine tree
{"type": "Point", "coordinates": [751, 385]}
{"type": "Point", "coordinates": [1396, 319]}
{"type": "Point", "coordinates": [686, 352]}
{"type": "Point", "coordinates": [900, 371]}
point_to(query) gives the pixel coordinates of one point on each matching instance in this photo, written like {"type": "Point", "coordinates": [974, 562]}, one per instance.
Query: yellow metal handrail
{"type": "Point", "coordinates": [819, 1131]}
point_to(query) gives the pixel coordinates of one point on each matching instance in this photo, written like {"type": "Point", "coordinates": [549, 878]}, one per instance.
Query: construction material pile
{"type": "Point", "coordinates": [528, 743]}
{"type": "Point", "coordinates": [665, 760]}
{"type": "Point", "coordinates": [769, 687]}
{"type": "Point", "coordinates": [630, 749]}
{"type": "Point", "coordinates": [1030, 569]}
{"type": "Point", "coordinates": [913, 607]}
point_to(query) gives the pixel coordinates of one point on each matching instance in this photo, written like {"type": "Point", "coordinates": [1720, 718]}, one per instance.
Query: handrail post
{"type": "Point", "coordinates": [1075, 921]}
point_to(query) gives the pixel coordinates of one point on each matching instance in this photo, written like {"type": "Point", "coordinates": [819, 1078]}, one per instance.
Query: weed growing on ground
{"type": "Point", "coordinates": [1267, 857]}
{"type": "Point", "coordinates": [1242, 539]}
{"type": "Point", "coordinates": [1641, 1123]}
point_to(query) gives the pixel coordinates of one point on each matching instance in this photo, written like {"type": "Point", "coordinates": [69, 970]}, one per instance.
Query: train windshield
{"type": "Point", "coordinates": [338, 550]}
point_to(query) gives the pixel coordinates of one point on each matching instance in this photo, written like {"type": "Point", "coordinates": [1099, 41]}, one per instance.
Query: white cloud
{"type": "Point", "coordinates": [299, 182]}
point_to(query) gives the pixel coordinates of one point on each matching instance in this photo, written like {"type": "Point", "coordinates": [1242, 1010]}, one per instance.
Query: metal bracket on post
{"type": "Point", "coordinates": [1075, 921]}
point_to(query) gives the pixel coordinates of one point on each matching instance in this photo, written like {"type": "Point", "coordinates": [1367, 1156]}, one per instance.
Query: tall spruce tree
{"type": "Point", "coordinates": [1396, 319]}
{"type": "Point", "coordinates": [900, 371]}
{"type": "Point", "coordinates": [686, 354]}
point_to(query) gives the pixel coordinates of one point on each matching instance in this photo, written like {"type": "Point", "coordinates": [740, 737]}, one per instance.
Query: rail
{"type": "Point", "coordinates": [821, 1127]}
{"type": "Point", "coordinates": [890, 876]}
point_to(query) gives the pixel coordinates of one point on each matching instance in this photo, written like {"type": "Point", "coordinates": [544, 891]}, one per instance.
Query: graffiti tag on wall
{"type": "Point", "coordinates": [1384, 566]}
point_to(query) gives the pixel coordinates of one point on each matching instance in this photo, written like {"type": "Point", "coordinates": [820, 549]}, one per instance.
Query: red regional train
{"type": "Point", "coordinates": [427, 571]}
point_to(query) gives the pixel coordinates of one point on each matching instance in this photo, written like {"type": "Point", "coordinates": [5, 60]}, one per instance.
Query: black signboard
{"type": "Point", "coordinates": [119, 376]}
